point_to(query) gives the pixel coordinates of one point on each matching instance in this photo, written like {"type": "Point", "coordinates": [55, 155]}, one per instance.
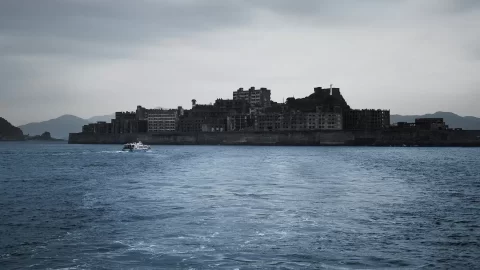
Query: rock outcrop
{"type": "Point", "coordinates": [9, 132]}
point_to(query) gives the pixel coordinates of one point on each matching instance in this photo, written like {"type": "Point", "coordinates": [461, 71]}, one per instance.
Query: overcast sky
{"type": "Point", "coordinates": [94, 57]}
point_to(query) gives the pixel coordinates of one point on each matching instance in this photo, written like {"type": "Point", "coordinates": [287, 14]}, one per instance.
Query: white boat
{"type": "Point", "coordinates": [136, 146]}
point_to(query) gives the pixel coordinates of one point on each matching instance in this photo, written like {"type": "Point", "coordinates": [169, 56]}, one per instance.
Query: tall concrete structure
{"type": "Point", "coordinates": [160, 120]}
{"type": "Point", "coordinates": [430, 123]}
{"type": "Point", "coordinates": [256, 97]}
{"type": "Point", "coordinates": [141, 113]}
{"type": "Point", "coordinates": [126, 122]}
{"type": "Point", "coordinates": [298, 121]}
{"type": "Point", "coordinates": [252, 109]}
{"type": "Point", "coordinates": [240, 122]}
{"type": "Point", "coordinates": [366, 119]}
{"type": "Point", "coordinates": [330, 121]}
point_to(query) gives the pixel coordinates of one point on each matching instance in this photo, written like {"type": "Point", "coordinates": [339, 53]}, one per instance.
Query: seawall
{"type": "Point", "coordinates": [305, 138]}
{"type": "Point", "coordinates": [220, 138]}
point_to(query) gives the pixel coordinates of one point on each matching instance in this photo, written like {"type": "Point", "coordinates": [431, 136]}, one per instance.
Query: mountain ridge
{"type": "Point", "coordinates": [58, 127]}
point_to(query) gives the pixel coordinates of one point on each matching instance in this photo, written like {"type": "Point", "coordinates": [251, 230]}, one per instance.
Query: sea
{"type": "Point", "coordinates": [238, 207]}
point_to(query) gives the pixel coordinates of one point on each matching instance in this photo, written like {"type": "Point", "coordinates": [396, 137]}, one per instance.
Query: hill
{"type": "Point", "coordinates": [105, 118]}
{"type": "Point", "coordinates": [451, 119]}
{"type": "Point", "coordinates": [9, 132]}
{"type": "Point", "coordinates": [59, 127]}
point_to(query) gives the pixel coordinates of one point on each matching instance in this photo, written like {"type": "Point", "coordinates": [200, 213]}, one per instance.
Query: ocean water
{"type": "Point", "coordinates": [227, 207]}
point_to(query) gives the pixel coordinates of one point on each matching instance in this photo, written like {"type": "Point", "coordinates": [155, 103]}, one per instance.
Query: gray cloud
{"type": "Point", "coordinates": [83, 27]}
{"type": "Point", "coordinates": [111, 28]}
{"type": "Point", "coordinates": [455, 6]}
{"type": "Point", "coordinates": [72, 49]}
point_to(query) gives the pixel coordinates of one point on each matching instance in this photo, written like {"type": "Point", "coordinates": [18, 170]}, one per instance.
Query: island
{"type": "Point", "coordinates": [44, 137]}
{"type": "Point", "coordinates": [9, 132]}
{"type": "Point", "coordinates": [250, 117]}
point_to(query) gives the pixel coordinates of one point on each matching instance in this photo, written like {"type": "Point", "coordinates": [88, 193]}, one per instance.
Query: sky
{"type": "Point", "coordinates": [95, 57]}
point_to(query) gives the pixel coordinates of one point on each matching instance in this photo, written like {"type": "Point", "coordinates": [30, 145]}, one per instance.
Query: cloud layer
{"type": "Point", "coordinates": [95, 57]}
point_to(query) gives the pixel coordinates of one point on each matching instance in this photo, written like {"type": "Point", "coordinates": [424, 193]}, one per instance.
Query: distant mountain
{"type": "Point", "coordinates": [9, 131]}
{"type": "Point", "coordinates": [59, 127]}
{"type": "Point", "coordinates": [451, 119]}
{"type": "Point", "coordinates": [102, 118]}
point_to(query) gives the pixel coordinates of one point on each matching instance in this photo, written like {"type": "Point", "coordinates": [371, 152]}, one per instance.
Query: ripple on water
{"type": "Point", "coordinates": [179, 207]}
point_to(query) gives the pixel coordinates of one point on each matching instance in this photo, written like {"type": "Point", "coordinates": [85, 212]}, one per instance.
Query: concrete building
{"type": "Point", "coordinates": [141, 113]}
{"type": "Point", "coordinates": [256, 97]}
{"type": "Point", "coordinates": [88, 128]}
{"type": "Point", "coordinates": [366, 119]}
{"type": "Point", "coordinates": [268, 122]}
{"type": "Point", "coordinates": [430, 124]}
{"type": "Point", "coordinates": [330, 121]}
{"type": "Point", "coordinates": [191, 124]}
{"type": "Point", "coordinates": [231, 106]}
{"type": "Point", "coordinates": [160, 120]}
{"type": "Point", "coordinates": [298, 121]}
{"type": "Point", "coordinates": [240, 122]}
{"type": "Point", "coordinates": [127, 122]}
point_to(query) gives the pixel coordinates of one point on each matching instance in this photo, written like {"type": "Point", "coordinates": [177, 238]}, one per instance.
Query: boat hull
{"type": "Point", "coordinates": [136, 150]}
{"type": "Point", "coordinates": [135, 147]}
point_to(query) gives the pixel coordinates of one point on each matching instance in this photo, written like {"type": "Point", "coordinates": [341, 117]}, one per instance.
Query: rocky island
{"type": "Point", "coordinates": [250, 117]}
{"type": "Point", "coordinates": [44, 137]}
{"type": "Point", "coordinates": [9, 132]}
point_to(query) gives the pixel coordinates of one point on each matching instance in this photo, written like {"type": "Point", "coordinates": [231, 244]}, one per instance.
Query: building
{"type": "Point", "coordinates": [430, 123]}
{"type": "Point", "coordinates": [322, 99]}
{"type": "Point", "coordinates": [141, 113]}
{"type": "Point", "coordinates": [268, 122]}
{"type": "Point", "coordinates": [295, 121]}
{"type": "Point", "coordinates": [127, 122]}
{"type": "Point", "coordinates": [191, 124]}
{"type": "Point", "coordinates": [90, 128]}
{"type": "Point", "coordinates": [252, 109]}
{"type": "Point", "coordinates": [240, 122]}
{"type": "Point", "coordinates": [256, 97]}
{"type": "Point", "coordinates": [160, 120]}
{"type": "Point", "coordinates": [330, 121]}
{"type": "Point", "coordinates": [98, 128]}
{"type": "Point", "coordinates": [232, 106]}
{"type": "Point", "coordinates": [214, 125]}
{"type": "Point", "coordinates": [298, 121]}
{"type": "Point", "coordinates": [366, 119]}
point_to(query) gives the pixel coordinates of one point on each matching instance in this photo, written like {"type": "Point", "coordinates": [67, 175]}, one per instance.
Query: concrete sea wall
{"type": "Point", "coordinates": [221, 138]}
{"type": "Point", "coordinates": [430, 138]}
{"type": "Point", "coordinates": [306, 138]}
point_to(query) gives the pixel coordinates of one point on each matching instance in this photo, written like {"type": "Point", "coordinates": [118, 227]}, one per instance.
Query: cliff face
{"type": "Point", "coordinates": [8, 132]}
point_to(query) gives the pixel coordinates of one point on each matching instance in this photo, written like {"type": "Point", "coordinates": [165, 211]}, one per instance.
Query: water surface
{"type": "Point", "coordinates": [226, 207]}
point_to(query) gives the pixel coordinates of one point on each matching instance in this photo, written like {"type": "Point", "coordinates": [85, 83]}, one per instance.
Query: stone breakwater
{"type": "Point", "coordinates": [300, 138]}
